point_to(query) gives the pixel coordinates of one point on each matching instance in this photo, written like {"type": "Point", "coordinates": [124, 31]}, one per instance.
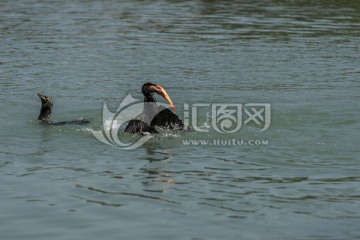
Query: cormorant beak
{"type": "Point", "coordinates": [42, 97]}
{"type": "Point", "coordinates": [161, 91]}
{"type": "Point", "coordinates": [45, 99]}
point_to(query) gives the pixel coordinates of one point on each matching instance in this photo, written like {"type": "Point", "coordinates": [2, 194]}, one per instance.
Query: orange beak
{"type": "Point", "coordinates": [161, 91]}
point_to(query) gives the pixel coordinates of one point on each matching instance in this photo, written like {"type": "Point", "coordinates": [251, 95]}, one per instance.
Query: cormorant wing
{"type": "Point", "coordinates": [139, 125]}
{"type": "Point", "coordinates": [167, 119]}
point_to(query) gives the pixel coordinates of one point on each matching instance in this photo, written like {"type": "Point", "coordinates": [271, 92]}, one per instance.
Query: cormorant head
{"type": "Point", "coordinates": [149, 88]}
{"type": "Point", "coordinates": [46, 106]}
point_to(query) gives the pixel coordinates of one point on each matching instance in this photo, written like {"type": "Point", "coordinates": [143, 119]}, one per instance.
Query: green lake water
{"type": "Point", "coordinates": [300, 57]}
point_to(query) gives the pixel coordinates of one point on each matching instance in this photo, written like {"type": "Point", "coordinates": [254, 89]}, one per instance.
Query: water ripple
{"type": "Point", "coordinates": [128, 194]}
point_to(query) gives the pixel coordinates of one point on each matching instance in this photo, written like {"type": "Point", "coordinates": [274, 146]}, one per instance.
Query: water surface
{"type": "Point", "coordinates": [302, 57]}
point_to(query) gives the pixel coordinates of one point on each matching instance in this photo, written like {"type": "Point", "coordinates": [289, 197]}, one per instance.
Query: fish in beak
{"type": "Point", "coordinates": [161, 91]}
{"type": "Point", "coordinates": [153, 88]}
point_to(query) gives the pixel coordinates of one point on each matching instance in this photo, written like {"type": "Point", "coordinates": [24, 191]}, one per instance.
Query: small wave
{"type": "Point", "coordinates": [87, 129]}
{"type": "Point", "coordinates": [169, 135]}
{"type": "Point", "coordinates": [111, 124]}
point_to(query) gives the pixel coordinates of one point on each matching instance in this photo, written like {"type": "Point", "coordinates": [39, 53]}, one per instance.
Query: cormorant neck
{"type": "Point", "coordinates": [45, 113]}
{"type": "Point", "coordinates": [150, 106]}
{"type": "Point", "coordinates": [148, 97]}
